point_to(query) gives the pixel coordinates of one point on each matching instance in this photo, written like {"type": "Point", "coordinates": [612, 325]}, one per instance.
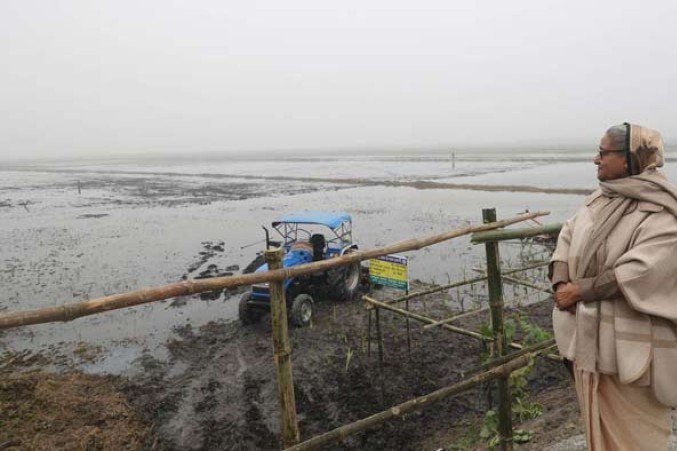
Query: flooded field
{"type": "Point", "coordinates": [72, 232]}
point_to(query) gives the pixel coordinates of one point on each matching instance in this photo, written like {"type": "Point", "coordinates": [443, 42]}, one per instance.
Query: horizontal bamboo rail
{"type": "Point", "coordinates": [68, 312]}
{"type": "Point", "coordinates": [458, 284]}
{"type": "Point", "coordinates": [434, 290]}
{"type": "Point", "coordinates": [527, 284]}
{"type": "Point", "coordinates": [425, 319]}
{"type": "Point", "coordinates": [413, 405]}
{"type": "Point", "coordinates": [501, 235]}
{"type": "Point", "coordinates": [456, 317]}
{"type": "Point", "coordinates": [504, 359]}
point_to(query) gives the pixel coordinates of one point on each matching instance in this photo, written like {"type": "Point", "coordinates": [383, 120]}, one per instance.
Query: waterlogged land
{"type": "Point", "coordinates": [73, 231]}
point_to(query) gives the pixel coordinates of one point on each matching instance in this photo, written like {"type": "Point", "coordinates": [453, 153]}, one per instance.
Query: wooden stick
{"type": "Point", "coordinates": [456, 317]}
{"type": "Point", "coordinates": [435, 290]}
{"type": "Point", "coordinates": [425, 319]}
{"type": "Point", "coordinates": [460, 283]}
{"type": "Point", "coordinates": [527, 284]}
{"type": "Point", "coordinates": [282, 354]}
{"type": "Point", "coordinates": [68, 312]}
{"type": "Point", "coordinates": [501, 360]}
{"type": "Point", "coordinates": [501, 235]}
{"type": "Point", "coordinates": [413, 405]}
{"type": "Point", "coordinates": [496, 304]}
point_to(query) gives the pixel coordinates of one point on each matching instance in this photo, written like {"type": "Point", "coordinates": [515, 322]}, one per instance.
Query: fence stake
{"type": "Point", "coordinates": [500, 345]}
{"type": "Point", "coordinates": [379, 338]}
{"type": "Point", "coordinates": [282, 353]}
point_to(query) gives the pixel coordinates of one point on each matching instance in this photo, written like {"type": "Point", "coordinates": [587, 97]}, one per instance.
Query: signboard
{"type": "Point", "coordinates": [389, 271]}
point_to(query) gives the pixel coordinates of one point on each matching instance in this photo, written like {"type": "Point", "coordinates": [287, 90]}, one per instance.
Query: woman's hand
{"type": "Point", "coordinates": [566, 296]}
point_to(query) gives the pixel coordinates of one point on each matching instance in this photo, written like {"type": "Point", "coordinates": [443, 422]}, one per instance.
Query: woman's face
{"type": "Point", "coordinates": [610, 161]}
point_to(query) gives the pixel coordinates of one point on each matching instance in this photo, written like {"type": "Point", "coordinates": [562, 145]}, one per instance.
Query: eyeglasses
{"type": "Point", "coordinates": [603, 151]}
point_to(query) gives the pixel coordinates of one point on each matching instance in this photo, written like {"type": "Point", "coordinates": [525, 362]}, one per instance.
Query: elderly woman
{"type": "Point", "coordinates": [615, 278]}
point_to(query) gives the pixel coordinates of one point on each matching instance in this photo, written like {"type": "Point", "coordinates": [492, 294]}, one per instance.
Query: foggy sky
{"type": "Point", "coordinates": [86, 78]}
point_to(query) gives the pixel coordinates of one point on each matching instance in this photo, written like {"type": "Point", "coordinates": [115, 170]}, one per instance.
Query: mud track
{"type": "Point", "coordinates": [225, 398]}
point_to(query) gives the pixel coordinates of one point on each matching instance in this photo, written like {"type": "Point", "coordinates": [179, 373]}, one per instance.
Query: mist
{"type": "Point", "coordinates": [119, 78]}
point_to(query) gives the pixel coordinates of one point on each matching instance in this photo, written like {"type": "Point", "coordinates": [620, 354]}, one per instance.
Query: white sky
{"type": "Point", "coordinates": [87, 78]}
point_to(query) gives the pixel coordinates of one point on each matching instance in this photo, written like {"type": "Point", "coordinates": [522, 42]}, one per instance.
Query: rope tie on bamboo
{"type": "Point", "coordinates": [69, 312]}
{"type": "Point", "coordinates": [190, 286]}
{"type": "Point", "coordinates": [283, 353]}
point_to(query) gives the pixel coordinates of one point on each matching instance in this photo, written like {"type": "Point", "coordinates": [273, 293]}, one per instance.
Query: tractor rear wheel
{"type": "Point", "coordinates": [301, 313]}
{"type": "Point", "coordinates": [344, 281]}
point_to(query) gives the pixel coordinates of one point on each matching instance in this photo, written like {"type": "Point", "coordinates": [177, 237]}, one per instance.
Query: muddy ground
{"type": "Point", "coordinates": [218, 389]}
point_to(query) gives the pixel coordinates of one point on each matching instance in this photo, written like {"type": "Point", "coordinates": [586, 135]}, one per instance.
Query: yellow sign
{"type": "Point", "coordinates": [390, 271]}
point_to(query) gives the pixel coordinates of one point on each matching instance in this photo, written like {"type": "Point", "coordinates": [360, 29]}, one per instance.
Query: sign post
{"type": "Point", "coordinates": [389, 271]}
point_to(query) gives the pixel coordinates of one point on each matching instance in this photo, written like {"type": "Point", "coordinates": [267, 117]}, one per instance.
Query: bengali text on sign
{"type": "Point", "coordinates": [389, 271]}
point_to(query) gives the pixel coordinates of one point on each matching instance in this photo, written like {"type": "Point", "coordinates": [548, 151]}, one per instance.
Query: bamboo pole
{"type": "Point", "coordinates": [68, 312]}
{"type": "Point", "coordinates": [425, 319]}
{"type": "Point", "coordinates": [381, 376]}
{"type": "Point", "coordinates": [456, 317]}
{"type": "Point", "coordinates": [501, 348]}
{"type": "Point", "coordinates": [282, 354]}
{"type": "Point", "coordinates": [501, 360]}
{"type": "Point", "coordinates": [501, 235]}
{"type": "Point", "coordinates": [413, 405]}
{"type": "Point", "coordinates": [460, 283]}
{"type": "Point", "coordinates": [435, 290]}
{"type": "Point", "coordinates": [527, 284]}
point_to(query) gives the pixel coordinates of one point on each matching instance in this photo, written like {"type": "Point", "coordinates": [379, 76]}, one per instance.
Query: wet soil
{"type": "Point", "coordinates": [218, 390]}
{"type": "Point", "coordinates": [225, 398]}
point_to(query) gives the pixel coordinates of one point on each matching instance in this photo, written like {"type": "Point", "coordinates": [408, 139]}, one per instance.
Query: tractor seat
{"type": "Point", "coordinates": [319, 244]}
{"type": "Point", "coordinates": [302, 246]}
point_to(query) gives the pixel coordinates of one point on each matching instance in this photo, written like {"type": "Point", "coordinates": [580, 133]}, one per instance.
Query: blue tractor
{"type": "Point", "coordinates": [307, 237]}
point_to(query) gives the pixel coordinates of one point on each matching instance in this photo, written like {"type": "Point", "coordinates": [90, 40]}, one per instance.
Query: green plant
{"type": "Point", "coordinates": [349, 357]}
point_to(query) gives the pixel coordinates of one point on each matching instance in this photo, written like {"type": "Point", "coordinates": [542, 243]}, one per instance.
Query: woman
{"type": "Point", "coordinates": [614, 272]}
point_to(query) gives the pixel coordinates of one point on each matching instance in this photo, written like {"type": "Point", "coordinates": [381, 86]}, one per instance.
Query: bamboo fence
{"type": "Point", "coordinates": [413, 405]}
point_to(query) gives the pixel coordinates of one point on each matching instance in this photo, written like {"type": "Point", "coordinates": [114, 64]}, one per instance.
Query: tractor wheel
{"type": "Point", "coordinates": [247, 315]}
{"type": "Point", "coordinates": [301, 313]}
{"type": "Point", "coordinates": [344, 281]}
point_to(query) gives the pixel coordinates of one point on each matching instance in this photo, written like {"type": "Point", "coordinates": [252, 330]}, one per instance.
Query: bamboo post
{"type": "Point", "coordinates": [406, 306]}
{"type": "Point", "coordinates": [68, 312]}
{"type": "Point", "coordinates": [379, 338]}
{"type": "Point", "coordinates": [413, 405]}
{"type": "Point", "coordinates": [500, 345]}
{"type": "Point", "coordinates": [282, 353]}
{"type": "Point", "coordinates": [369, 312]}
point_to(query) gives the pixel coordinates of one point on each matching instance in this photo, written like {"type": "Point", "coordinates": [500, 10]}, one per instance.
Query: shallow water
{"type": "Point", "coordinates": [134, 226]}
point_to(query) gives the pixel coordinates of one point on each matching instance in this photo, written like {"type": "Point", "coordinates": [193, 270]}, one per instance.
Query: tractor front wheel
{"type": "Point", "coordinates": [301, 313]}
{"type": "Point", "coordinates": [247, 314]}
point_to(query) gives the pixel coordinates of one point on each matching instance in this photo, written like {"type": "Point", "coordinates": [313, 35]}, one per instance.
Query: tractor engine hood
{"type": "Point", "coordinates": [294, 257]}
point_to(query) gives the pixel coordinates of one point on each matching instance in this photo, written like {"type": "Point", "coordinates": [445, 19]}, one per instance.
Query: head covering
{"type": "Point", "coordinates": [646, 148]}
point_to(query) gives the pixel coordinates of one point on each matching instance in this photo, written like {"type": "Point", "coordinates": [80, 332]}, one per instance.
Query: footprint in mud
{"type": "Point", "coordinates": [258, 434]}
